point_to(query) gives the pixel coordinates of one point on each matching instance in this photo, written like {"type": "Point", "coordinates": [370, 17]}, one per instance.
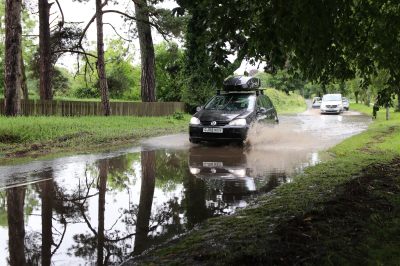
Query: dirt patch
{"type": "Point", "coordinates": [333, 233]}
{"type": "Point", "coordinates": [379, 139]}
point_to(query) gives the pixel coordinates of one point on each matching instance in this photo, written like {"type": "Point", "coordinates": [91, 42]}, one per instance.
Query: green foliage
{"type": "Point", "coordinates": [282, 80]}
{"type": "Point", "coordinates": [169, 72]}
{"type": "Point", "coordinates": [205, 70]}
{"type": "Point", "coordinates": [178, 115]}
{"type": "Point", "coordinates": [61, 81]}
{"type": "Point", "coordinates": [286, 103]}
{"type": "Point", "coordinates": [326, 41]}
{"type": "Point", "coordinates": [122, 77]}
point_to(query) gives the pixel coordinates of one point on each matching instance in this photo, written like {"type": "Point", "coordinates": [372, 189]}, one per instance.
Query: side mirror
{"type": "Point", "coordinates": [198, 108]}
{"type": "Point", "coordinates": [262, 111]}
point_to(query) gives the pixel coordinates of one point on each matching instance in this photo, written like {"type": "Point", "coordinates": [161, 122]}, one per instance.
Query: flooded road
{"type": "Point", "coordinates": [102, 208]}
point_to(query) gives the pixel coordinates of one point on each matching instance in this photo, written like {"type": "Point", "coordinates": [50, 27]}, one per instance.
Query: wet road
{"type": "Point", "coordinates": [103, 207]}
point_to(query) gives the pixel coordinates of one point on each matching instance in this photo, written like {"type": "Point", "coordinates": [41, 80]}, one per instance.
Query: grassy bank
{"type": "Point", "coordinates": [33, 136]}
{"type": "Point", "coordinates": [284, 103]}
{"type": "Point", "coordinates": [343, 211]}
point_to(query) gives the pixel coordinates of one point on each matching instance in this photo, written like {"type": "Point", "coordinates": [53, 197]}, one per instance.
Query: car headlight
{"type": "Point", "coordinates": [194, 121]}
{"type": "Point", "coordinates": [194, 170]}
{"type": "Point", "coordinates": [238, 122]}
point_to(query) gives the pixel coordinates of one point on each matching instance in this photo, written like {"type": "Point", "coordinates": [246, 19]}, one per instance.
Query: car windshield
{"type": "Point", "coordinates": [332, 97]}
{"type": "Point", "coordinates": [231, 102]}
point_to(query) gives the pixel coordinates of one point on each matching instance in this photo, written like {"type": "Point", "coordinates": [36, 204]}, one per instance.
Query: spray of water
{"type": "Point", "coordinates": [278, 137]}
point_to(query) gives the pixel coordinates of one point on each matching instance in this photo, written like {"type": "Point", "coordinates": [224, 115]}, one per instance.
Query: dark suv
{"type": "Point", "coordinates": [228, 115]}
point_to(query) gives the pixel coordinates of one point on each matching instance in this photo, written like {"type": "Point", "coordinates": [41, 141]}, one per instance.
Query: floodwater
{"type": "Point", "coordinates": [102, 208]}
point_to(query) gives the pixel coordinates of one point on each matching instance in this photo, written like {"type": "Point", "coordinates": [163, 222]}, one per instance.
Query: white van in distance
{"type": "Point", "coordinates": [331, 103]}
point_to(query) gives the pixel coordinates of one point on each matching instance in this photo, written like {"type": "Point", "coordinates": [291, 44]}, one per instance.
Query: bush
{"type": "Point", "coordinates": [86, 92]}
{"type": "Point", "coordinates": [178, 115]}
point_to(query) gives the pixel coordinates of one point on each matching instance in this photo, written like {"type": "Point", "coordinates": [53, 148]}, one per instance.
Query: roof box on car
{"type": "Point", "coordinates": [240, 83]}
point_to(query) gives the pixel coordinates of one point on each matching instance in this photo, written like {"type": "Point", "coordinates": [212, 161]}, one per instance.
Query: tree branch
{"type": "Point", "coordinates": [134, 18]}
{"type": "Point", "coordinates": [116, 32]}
{"type": "Point", "coordinates": [61, 24]}
{"type": "Point", "coordinates": [75, 52]}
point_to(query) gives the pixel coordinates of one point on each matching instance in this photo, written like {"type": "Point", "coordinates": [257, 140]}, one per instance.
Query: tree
{"type": "Point", "coordinates": [101, 68]}
{"type": "Point", "coordinates": [148, 83]}
{"type": "Point", "coordinates": [326, 40]}
{"type": "Point", "coordinates": [13, 75]}
{"type": "Point", "coordinates": [45, 65]}
{"type": "Point", "coordinates": [206, 60]}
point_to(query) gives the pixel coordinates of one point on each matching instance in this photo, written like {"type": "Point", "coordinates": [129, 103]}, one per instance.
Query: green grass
{"type": "Point", "coordinates": [21, 136]}
{"type": "Point", "coordinates": [284, 103]}
{"type": "Point", "coordinates": [342, 211]}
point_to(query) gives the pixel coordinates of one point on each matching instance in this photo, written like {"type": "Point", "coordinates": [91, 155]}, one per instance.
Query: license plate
{"type": "Point", "coordinates": [212, 130]}
{"type": "Point", "coordinates": [213, 164]}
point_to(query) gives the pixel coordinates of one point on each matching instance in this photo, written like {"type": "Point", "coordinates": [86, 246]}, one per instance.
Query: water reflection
{"type": "Point", "coordinates": [16, 225]}
{"type": "Point", "coordinates": [101, 211]}
{"type": "Point", "coordinates": [230, 180]}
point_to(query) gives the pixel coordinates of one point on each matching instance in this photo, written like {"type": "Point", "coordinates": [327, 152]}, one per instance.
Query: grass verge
{"type": "Point", "coordinates": [286, 103]}
{"type": "Point", "coordinates": [343, 211]}
{"type": "Point", "coordinates": [39, 136]}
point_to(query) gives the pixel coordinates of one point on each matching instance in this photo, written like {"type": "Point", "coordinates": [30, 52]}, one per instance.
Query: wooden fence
{"type": "Point", "coordinates": [81, 108]}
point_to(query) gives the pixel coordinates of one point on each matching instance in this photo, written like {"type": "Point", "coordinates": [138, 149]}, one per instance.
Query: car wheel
{"type": "Point", "coordinates": [194, 141]}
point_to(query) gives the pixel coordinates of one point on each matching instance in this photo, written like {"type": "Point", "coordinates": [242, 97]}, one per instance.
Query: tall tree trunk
{"type": "Point", "coordinates": [45, 51]}
{"type": "Point", "coordinates": [148, 161]}
{"type": "Point", "coordinates": [398, 101]}
{"type": "Point", "coordinates": [12, 57]}
{"type": "Point", "coordinates": [101, 68]}
{"type": "Point", "coordinates": [47, 196]}
{"type": "Point", "coordinates": [16, 224]}
{"type": "Point", "coordinates": [24, 86]}
{"type": "Point", "coordinates": [103, 173]}
{"type": "Point", "coordinates": [356, 94]}
{"type": "Point", "coordinates": [148, 80]}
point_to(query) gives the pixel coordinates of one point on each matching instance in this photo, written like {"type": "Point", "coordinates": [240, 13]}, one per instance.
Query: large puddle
{"type": "Point", "coordinates": [103, 208]}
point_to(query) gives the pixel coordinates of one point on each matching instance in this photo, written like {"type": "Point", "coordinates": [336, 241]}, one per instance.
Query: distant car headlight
{"type": "Point", "coordinates": [238, 122]}
{"type": "Point", "coordinates": [194, 121]}
{"type": "Point", "coordinates": [238, 172]}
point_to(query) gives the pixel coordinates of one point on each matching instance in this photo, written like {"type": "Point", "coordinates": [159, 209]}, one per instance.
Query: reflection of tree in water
{"type": "Point", "coordinates": [106, 243]}
{"type": "Point", "coordinates": [16, 225]}
{"type": "Point", "coordinates": [147, 227]}
{"type": "Point", "coordinates": [171, 169]}
{"type": "Point", "coordinates": [3, 210]}
{"type": "Point", "coordinates": [195, 200]}
{"type": "Point", "coordinates": [109, 244]}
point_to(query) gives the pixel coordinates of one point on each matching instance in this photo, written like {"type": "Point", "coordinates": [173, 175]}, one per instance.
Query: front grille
{"type": "Point", "coordinates": [219, 123]}
{"type": "Point", "coordinates": [331, 106]}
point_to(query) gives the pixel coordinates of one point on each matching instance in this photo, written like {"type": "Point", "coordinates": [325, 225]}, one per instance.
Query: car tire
{"type": "Point", "coordinates": [194, 141]}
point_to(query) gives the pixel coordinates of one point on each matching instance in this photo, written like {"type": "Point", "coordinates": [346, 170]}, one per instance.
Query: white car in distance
{"type": "Point", "coordinates": [346, 103]}
{"type": "Point", "coordinates": [331, 103]}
